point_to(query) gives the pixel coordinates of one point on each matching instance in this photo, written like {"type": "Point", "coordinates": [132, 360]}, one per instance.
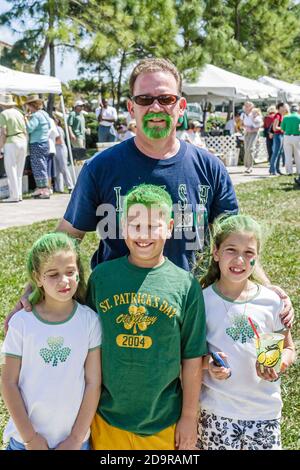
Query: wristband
{"type": "Point", "coordinates": [28, 442]}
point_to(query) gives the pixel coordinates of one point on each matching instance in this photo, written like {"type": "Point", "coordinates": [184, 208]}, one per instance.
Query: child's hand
{"type": "Point", "coordinates": [37, 443]}
{"type": "Point", "coordinates": [219, 373]}
{"type": "Point", "coordinates": [69, 444]}
{"type": "Point", "coordinates": [287, 358]}
{"type": "Point", "coordinates": [266, 373]}
{"type": "Point", "coordinates": [186, 433]}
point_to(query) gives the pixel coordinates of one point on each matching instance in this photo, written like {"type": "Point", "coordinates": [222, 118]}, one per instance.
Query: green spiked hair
{"type": "Point", "coordinates": [223, 227]}
{"type": "Point", "coordinates": [149, 195]}
{"type": "Point", "coordinates": [41, 252]}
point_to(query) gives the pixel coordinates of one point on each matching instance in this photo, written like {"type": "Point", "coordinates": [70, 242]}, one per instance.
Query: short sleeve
{"type": "Point", "coordinates": [2, 120]}
{"type": "Point", "coordinates": [71, 119]}
{"type": "Point", "coordinates": [82, 208]}
{"type": "Point", "coordinates": [224, 200]}
{"type": "Point", "coordinates": [13, 342]}
{"type": "Point", "coordinates": [95, 338]}
{"type": "Point", "coordinates": [283, 124]}
{"type": "Point", "coordinates": [193, 329]}
{"type": "Point", "coordinates": [90, 294]}
{"type": "Point", "coordinates": [278, 325]}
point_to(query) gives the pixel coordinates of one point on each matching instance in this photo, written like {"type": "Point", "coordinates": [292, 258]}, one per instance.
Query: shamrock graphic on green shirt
{"type": "Point", "coordinates": [56, 352]}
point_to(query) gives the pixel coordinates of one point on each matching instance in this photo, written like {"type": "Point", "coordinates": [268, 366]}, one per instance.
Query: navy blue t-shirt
{"type": "Point", "coordinates": [197, 181]}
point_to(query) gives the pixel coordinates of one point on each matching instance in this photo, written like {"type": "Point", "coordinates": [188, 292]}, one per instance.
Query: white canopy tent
{"type": "Point", "coordinates": [20, 83]}
{"type": "Point", "coordinates": [287, 91]}
{"type": "Point", "coordinates": [216, 82]}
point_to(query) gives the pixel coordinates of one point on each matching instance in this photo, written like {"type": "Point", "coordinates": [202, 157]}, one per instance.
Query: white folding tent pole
{"type": "Point", "coordinates": [68, 136]}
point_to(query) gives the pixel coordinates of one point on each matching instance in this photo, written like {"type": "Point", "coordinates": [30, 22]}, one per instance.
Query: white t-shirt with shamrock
{"type": "Point", "coordinates": [244, 395]}
{"type": "Point", "coordinates": [51, 378]}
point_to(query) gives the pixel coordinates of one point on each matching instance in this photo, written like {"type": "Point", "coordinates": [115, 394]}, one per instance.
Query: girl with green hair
{"type": "Point", "coordinates": [240, 398]}
{"type": "Point", "coordinates": [51, 372]}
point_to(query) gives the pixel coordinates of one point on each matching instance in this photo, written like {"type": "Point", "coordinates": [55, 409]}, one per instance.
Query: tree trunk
{"type": "Point", "coordinates": [50, 104]}
{"type": "Point", "coordinates": [51, 13]}
{"type": "Point", "coordinates": [205, 111]}
{"type": "Point", "coordinates": [230, 110]}
{"type": "Point", "coordinates": [119, 90]}
{"type": "Point", "coordinates": [237, 22]}
{"type": "Point", "coordinates": [42, 56]}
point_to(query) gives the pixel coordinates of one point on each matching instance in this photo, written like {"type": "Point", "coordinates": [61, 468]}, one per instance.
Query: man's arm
{"type": "Point", "coordinates": [72, 136]}
{"type": "Point", "coordinates": [65, 226]}
{"type": "Point", "coordinates": [186, 429]}
{"type": "Point", "coordinates": [276, 126]}
{"type": "Point", "coordinates": [70, 124]}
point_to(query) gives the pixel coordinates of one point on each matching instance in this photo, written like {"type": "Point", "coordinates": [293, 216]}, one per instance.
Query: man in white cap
{"type": "Point", "coordinates": [76, 123]}
{"type": "Point", "coordinates": [13, 131]}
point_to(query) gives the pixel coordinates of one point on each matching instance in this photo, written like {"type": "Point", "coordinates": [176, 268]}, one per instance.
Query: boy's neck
{"type": "Point", "coordinates": [236, 291]}
{"type": "Point", "coordinates": [151, 263]}
{"type": "Point", "coordinates": [52, 310]}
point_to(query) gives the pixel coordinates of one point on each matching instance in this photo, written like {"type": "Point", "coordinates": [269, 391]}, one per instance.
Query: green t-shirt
{"type": "Point", "coordinates": [291, 124]}
{"type": "Point", "coordinates": [151, 319]}
{"type": "Point", "coordinates": [77, 122]}
{"type": "Point", "coordinates": [13, 121]}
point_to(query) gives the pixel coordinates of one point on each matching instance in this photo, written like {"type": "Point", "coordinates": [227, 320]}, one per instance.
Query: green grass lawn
{"type": "Point", "coordinates": [274, 202]}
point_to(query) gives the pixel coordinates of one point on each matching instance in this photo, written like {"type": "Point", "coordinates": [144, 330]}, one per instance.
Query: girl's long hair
{"type": "Point", "coordinates": [42, 250]}
{"type": "Point", "coordinates": [223, 227]}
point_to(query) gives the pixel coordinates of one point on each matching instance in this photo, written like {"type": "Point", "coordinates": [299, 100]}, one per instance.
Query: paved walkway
{"type": "Point", "coordinates": [30, 210]}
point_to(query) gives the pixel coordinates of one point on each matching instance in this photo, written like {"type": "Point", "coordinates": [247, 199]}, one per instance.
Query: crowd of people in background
{"type": "Point", "coordinates": [281, 129]}
{"type": "Point", "coordinates": [111, 397]}
{"type": "Point", "coordinates": [36, 134]}
{"type": "Point", "coordinates": [49, 154]}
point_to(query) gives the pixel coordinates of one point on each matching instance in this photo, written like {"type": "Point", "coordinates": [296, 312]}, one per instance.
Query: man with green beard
{"type": "Point", "coordinates": [197, 181]}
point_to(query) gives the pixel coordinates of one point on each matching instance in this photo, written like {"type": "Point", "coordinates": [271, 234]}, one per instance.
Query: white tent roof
{"type": "Point", "coordinates": [20, 83]}
{"type": "Point", "coordinates": [219, 82]}
{"type": "Point", "coordinates": [291, 92]}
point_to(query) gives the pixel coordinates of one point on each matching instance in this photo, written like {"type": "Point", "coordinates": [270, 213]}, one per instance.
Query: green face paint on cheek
{"type": "Point", "coordinates": [252, 262]}
{"type": "Point", "coordinates": [157, 132]}
{"type": "Point", "coordinates": [77, 277]}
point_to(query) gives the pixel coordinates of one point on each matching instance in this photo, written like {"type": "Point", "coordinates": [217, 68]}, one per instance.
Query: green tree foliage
{"type": "Point", "coordinates": [189, 54]}
{"type": "Point", "coordinates": [252, 37]}
{"type": "Point", "coordinates": [249, 37]}
{"type": "Point", "coordinates": [44, 24]}
{"type": "Point", "coordinates": [123, 31]}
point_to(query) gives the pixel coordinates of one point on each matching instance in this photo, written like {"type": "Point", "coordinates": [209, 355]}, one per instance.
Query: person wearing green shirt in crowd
{"type": "Point", "coordinates": [76, 123]}
{"type": "Point", "coordinates": [153, 321]}
{"type": "Point", "coordinates": [291, 140]}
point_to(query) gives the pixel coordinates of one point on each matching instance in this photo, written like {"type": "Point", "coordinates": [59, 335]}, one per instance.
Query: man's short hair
{"type": "Point", "coordinates": [279, 105]}
{"type": "Point", "coordinates": [151, 66]}
{"type": "Point", "coordinates": [294, 107]}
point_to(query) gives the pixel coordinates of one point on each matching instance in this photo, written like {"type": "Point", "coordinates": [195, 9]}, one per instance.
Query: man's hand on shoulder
{"type": "Point", "coordinates": [287, 314]}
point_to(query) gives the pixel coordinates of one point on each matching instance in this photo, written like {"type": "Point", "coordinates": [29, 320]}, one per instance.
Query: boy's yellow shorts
{"type": "Point", "coordinates": [107, 437]}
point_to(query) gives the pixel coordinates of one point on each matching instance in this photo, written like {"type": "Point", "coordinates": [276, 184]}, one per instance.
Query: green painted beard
{"type": "Point", "coordinates": [157, 132]}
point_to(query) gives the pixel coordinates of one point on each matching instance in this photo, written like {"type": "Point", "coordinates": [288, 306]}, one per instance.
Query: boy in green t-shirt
{"type": "Point", "coordinates": [153, 322]}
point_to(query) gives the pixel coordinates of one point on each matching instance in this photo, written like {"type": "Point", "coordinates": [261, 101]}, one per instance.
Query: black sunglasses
{"type": "Point", "coordinates": [164, 100]}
